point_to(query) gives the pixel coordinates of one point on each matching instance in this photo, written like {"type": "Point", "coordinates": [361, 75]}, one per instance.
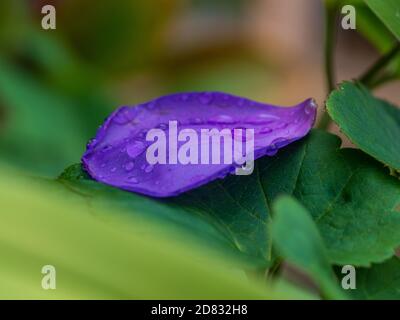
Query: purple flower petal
{"type": "Point", "coordinates": [117, 156]}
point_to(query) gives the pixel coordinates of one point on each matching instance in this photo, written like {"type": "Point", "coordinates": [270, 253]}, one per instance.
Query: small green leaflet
{"type": "Point", "coordinates": [372, 124]}
{"type": "Point", "coordinates": [297, 239]}
{"type": "Point", "coordinates": [380, 282]}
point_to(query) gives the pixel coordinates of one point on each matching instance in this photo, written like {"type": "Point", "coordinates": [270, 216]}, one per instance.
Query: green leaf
{"type": "Point", "coordinates": [348, 194]}
{"type": "Point", "coordinates": [374, 30]}
{"type": "Point", "coordinates": [297, 239]}
{"type": "Point", "coordinates": [370, 26]}
{"type": "Point", "coordinates": [98, 259]}
{"type": "Point", "coordinates": [389, 12]}
{"type": "Point", "coordinates": [372, 124]}
{"type": "Point", "coordinates": [230, 215]}
{"type": "Point", "coordinates": [234, 214]}
{"type": "Point", "coordinates": [380, 282]}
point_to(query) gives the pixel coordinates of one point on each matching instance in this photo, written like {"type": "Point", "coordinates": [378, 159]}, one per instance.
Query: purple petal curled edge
{"type": "Point", "coordinates": [117, 155]}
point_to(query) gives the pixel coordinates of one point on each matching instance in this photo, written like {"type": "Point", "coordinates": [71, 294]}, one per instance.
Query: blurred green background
{"type": "Point", "coordinates": [57, 86]}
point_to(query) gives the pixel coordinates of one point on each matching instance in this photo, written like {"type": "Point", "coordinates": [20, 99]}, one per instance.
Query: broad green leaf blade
{"type": "Point", "coordinates": [229, 215]}
{"type": "Point", "coordinates": [239, 206]}
{"type": "Point", "coordinates": [350, 196]}
{"type": "Point", "coordinates": [380, 282]}
{"type": "Point", "coordinates": [233, 215]}
{"type": "Point", "coordinates": [297, 239]}
{"type": "Point", "coordinates": [97, 259]}
{"type": "Point", "coordinates": [389, 12]}
{"type": "Point", "coordinates": [372, 124]}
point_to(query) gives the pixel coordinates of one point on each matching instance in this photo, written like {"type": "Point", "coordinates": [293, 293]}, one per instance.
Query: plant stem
{"type": "Point", "coordinates": [330, 16]}
{"type": "Point", "coordinates": [274, 270]}
{"type": "Point", "coordinates": [382, 80]}
{"type": "Point", "coordinates": [329, 46]}
{"type": "Point", "coordinates": [368, 77]}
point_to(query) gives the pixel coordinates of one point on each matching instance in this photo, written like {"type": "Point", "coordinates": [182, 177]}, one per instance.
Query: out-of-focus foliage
{"type": "Point", "coordinates": [374, 30]}
{"type": "Point", "coordinates": [112, 258]}
{"type": "Point", "coordinates": [116, 35]}
{"type": "Point", "coordinates": [50, 102]}
{"type": "Point", "coordinates": [372, 124]}
{"type": "Point", "coordinates": [56, 87]}
{"type": "Point", "coordinates": [215, 214]}
{"type": "Point", "coordinates": [389, 12]}
{"type": "Point", "coordinates": [303, 246]}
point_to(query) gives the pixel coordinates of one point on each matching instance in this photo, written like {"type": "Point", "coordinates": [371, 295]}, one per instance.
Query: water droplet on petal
{"type": "Point", "coordinates": [272, 150]}
{"type": "Point", "coordinates": [282, 125]}
{"type": "Point", "coordinates": [102, 165]}
{"type": "Point", "coordinates": [91, 142]}
{"type": "Point", "coordinates": [149, 168]}
{"type": "Point", "coordinates": [224, 173]}
{"type": "Point", "coordinates": [268, 116]}
{"type": "Point", "coordinates": [279, 142]}
{"type": "Point", "coordinates": [135, 148]}
{"type": "Point", "coordinates": [265, 130]}
{"type": "Point", "coordinates": [264, 118]}
{"type": "Point", "coordinates": [205, 98]}
{"type": "Point", "coordinates": [129, 166]}
{"type": "Point", "coordinates": [310, 107]}
{"type": "Point", "coordinates": [106, 148]}
{"type": "Point", "coordinates": [113, 169]}
{"type": "Point", "coordinates": [163, 126]}
{"type": "Point", "coordinates": [195, 121]}
{"type": "Point", "coordinates": [123, 116]}
{"type": "Point", "coordinates": [133, 179]}
{"type": "Point", "coordinates": [151, 105]}
{"type": "Point", "coordinates": [222, 119]}
{"type": "Point", "coordinates": [241, 102]}
{"type": "Point", "coordinates": [142, 134]}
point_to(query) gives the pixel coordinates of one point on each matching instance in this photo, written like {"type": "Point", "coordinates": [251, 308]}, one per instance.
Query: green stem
{"type": "Point", "coordinates": [372, 72]}
{"type": "Point", "coordinates": [330, 16]}
{"type": "Point", "coordinates": [382, 80]}
{"type": "Point", "coordinates": [369, 77]}
{"type": "Point", "coordinates": [329, 46]}
{"type": "Point", "coordinates": [274, 270]}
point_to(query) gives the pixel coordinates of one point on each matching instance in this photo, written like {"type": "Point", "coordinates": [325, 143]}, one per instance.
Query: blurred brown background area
{"type": "Point", "coordinates": [283, 38]}
{"type": "Point", "coordinates": [104, 54]}
{"type": "Point", "coordinates": [279, 41]}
